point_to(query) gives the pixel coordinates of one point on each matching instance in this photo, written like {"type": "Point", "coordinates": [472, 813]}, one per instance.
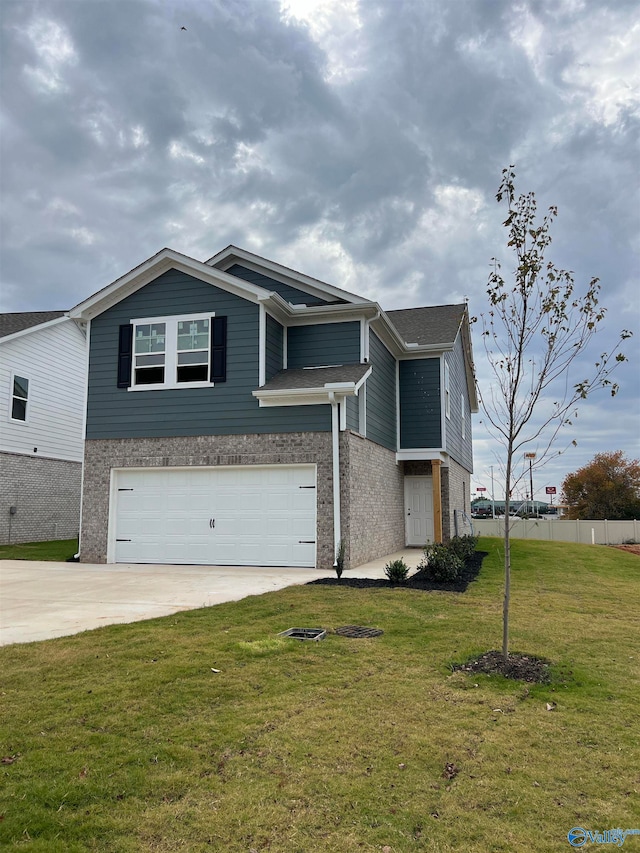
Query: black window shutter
{"type": "Point", "coordinates": [218, 349]}
{"type": "Point", "coordinates": [125, 352]}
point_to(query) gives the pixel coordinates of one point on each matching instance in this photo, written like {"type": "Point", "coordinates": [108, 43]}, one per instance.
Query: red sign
{"type": "Point", "coordinates": [481, 488]}
{"type": "Point", "coordinates": [550, 490]}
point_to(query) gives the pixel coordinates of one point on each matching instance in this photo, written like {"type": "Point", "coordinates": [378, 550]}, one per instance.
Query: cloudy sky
{"type": "Point", "coordinates": [359, 142]}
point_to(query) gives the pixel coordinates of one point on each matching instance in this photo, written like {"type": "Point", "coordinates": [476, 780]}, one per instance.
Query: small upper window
{"type": "Point", "coordinates": [463, 415]}
{"type": "Point", "coordinates": [19, 398]}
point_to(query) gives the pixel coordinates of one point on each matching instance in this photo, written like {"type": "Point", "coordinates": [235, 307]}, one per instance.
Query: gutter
{"type": "Point", "coordinates": [335, 443]}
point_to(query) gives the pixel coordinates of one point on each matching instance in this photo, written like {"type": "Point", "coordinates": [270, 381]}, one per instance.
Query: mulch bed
{"type": "Point", "coordinates": [418, 581]}
{"type": "Point", "coordinates": [631, 549]}
{"type": "Point", "coordinates": [518, 667]}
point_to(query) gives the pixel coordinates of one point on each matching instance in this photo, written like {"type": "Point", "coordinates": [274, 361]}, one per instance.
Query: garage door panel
{"type": "Point", "coordinates": [260, 516]}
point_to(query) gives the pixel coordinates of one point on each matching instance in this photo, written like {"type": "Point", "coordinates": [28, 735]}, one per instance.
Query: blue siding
{"type": "Point", "coordinates": [224, 409]}
{"type": "Point", "coordinates": [457, 447]}
{"type": "Point", "coordinates": [353, 414]}
{"type": "Point", "coordinates": [275, 347]}
{"type": "Point", "coordinates": [323, 344]}
{"type": "Point", "coordinates": [381, 395]}
{"type": "Point", "coordinates": [291, 294]}
{"type": "Point", "coordinates": [420, 412]}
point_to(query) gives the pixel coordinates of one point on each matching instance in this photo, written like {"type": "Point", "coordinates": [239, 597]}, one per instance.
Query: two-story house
{"type": "Point", "coordinates": [42, 403]}
{"type": "Point", "coordinates": [242, 413]}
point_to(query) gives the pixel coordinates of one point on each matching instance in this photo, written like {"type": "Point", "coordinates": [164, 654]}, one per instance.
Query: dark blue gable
{"type": "Point", "coordinates": [290, 294]}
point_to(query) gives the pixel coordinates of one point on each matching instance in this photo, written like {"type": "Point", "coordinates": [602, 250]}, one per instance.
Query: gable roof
{"type": "Point", "coordinates": [21, 320]}
{"type": "Point", "coordinates": [233, 254]}
{"type": "Point", "coordinates": [437, 324]}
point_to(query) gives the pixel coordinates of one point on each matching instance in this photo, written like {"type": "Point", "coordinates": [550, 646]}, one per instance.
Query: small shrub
{"type": "Point", "coordinates": [441, 563]}
{"type": "Point", "coordinates": [396, 571]}
{"type": "Point", "coordinates": [464, 546]}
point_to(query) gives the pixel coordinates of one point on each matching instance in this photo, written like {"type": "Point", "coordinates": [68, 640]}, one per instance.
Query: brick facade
{"type": "Point", "coordinates": [372, 497]}
{"type": "Point", "coordinates": [371, 484]}
{"type": "Point", "coordinates": [101, 455]}
{"type": "Point", "coordinates": [46, 494]}
{"type": "Point", "coordinates": [456, 485]}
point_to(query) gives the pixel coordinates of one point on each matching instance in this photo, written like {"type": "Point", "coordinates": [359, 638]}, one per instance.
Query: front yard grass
{"type": "Point", "coordinates": [58, 550]}
{"type": "Point", "coordinates": [127, 739]}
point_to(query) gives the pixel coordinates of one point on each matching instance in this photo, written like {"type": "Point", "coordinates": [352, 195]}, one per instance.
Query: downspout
{"type": "Point", "coordinates": [335, 440]}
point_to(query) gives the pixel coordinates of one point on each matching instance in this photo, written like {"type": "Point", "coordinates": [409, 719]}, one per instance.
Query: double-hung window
{"type": "Point", "coordinates": [171, 352]}
{"type": "Point", "coordinates": [19, 397]}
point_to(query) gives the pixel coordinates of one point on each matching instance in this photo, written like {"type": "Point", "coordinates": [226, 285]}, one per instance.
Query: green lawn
{"type": "Point", "coordinates": [125, 739]}
{"type": "Point", "coordinates": [58, 550]}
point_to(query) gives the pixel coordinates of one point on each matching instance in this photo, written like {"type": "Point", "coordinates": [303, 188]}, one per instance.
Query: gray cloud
{"type": "Point", "coordinates": [363, 149]}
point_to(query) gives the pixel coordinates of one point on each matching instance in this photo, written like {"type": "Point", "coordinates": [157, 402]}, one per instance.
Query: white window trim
{"type": "Point", "coordinates": [463, 415]}
{"type": "Point", "coordinates": [11, 397]}
{"type": "Point", "coordinates": [447, 392]}
{"type": "Point", "coordinates": [171, 351]}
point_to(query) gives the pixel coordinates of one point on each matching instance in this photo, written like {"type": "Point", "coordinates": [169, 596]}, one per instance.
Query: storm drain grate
{"type": "Point", "coordinates": [358, 631]}
{"type": "Point", "coordinates": [304, 634]}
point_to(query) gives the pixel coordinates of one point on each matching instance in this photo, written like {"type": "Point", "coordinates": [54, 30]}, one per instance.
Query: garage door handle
{"type": "Point", "coordinates": [212, 523]}
{"type": "Point", "coordinates": [306, 541]}
{"type": "Point", "coordinates": [123, 540]}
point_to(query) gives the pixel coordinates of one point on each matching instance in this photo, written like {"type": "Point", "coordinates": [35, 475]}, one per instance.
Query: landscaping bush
{"type": "Point", "coordinates": [441, 563]}
{"type": "Point", "coordinates": [396, 571]}
{"type": "Point", "coordinates": [464, 546]}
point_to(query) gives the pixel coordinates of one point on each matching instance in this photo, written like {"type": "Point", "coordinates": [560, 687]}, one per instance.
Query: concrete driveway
{"type": "Point", "coordinates": [41, 600]}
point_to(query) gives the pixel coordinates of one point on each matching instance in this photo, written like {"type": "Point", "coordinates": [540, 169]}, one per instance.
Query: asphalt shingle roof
{"type": "Point", "coordinates": [315, 377]}
{"type": "Point", "coordinates": [17, 322]}
{"type": "Point", "coordinates": [438, 324]}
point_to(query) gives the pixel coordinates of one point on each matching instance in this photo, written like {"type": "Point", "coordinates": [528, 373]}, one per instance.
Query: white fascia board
{"type": "Point", "coordinates": [358, 385]}
{"type": "Point", "coordinates": [318, 314]}
{"type": "Point", "coordinates": [424, 353]}
{"type": "Point", "coordinates": [28, 331]}
{"type": "Point", "coordinates": [469, 367]}
{"type": "Point", "coordinates": [418, 453]}
{"type": "Point", "coordinates": [149, 270]}
{"type": "Point", "coordinates": [227, 257]}
{"type": "Point", "coordinates": [304, 396]}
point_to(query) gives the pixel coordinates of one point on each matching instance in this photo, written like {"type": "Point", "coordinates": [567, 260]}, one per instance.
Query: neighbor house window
{"type": "Point", "coordinates": [447, 391]}
{"type": "Point", "coordinates": [19, 398]}
{"type": "Point", "coordinates": [169, 352]}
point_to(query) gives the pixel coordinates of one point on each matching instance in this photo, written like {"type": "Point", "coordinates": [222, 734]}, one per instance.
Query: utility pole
{"type": "Point", "coordinates": [531, 457]}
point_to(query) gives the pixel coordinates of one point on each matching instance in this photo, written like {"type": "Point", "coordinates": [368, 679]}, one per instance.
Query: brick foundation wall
{"type": "Point", "coordinates": [372, 496]}
{"type": "Point", "coordinates": [46, 494]}
{"type": "Point", "coordinates": [456, 485]}
{"type": "Point", "coordinates": [101, 455]}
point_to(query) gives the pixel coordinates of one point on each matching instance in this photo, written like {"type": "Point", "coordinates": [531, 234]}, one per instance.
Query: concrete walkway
{"type": "Point", "coordinates": [42, 600]}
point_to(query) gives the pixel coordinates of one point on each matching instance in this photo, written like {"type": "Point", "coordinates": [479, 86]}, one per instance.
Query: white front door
{"type": "Point", "coordinates": [418, 507]}
{"type": "Point", "coordinates": [225, 516]}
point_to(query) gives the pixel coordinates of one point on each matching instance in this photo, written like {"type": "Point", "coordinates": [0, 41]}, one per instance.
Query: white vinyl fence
{"type": "Point", "coordinates": [559, 530]}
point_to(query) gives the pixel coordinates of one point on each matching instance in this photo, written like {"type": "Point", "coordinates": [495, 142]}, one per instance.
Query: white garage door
{"type": "Point", "coordinates": [227, 516]}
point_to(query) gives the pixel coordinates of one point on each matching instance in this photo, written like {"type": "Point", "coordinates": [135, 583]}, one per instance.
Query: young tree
{"type": "Point", "coordinates": [608, 487]}
{"type": "Point", "coordinates": [534, 332]}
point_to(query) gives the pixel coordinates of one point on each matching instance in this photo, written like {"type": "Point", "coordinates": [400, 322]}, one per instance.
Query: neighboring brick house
{"type": "Point", "coordinates": [42, 392]}
{"type": "Point", "coordinates": [224, 397]}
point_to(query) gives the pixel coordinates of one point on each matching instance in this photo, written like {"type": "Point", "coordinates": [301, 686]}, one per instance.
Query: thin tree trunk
{"type": "Point", "coordinates": [507, 559]}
